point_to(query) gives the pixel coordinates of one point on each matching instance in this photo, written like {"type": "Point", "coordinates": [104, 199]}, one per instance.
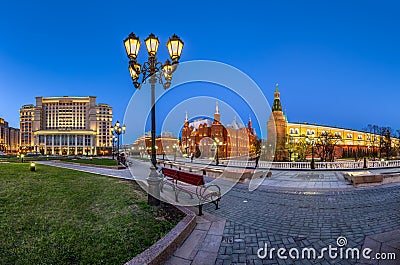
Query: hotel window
{"type": "Point", "coordinates": [308, 132]}
{"type": "Point", "coordinates": [291, 131]}
{"type": "Point", "coordinates": [64, 140]}
{"type": "Point", "coordinates": [87, 140]}
{"type": "Point", "coordinates": [56, 140]}
{"type": "Point", "coordinates": [79, 140]}
{"type": "Point", "coordinates": [72, 140]}
{"type": "Point", "coordinates": [359, 137]}
{"type": "Point", "coordinates": [49, 140]}
{"type": "Point", "coordinates": [349, 136]}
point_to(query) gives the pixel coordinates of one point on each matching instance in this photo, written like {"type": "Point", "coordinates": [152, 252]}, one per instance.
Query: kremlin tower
{"type": "Point", "coordinates": [276, 127]}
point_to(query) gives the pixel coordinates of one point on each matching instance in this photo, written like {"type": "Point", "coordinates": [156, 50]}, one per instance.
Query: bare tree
{"type": "Point", "coordinates": [373, 138]}
{"type": "Point", "coordinates": [385, 142]}
{"type": "Point", "coordinates": [397, 143]}
{"type": "Point", "coordinates": [326, 143]}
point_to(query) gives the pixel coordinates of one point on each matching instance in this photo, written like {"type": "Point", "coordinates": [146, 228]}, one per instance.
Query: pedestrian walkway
{"type": "Point", "coordinates": [386, 243]}
{"type": "Point", "coordinates": [202, 246]}
{"type": "Point", "coordinates": [121, 173]}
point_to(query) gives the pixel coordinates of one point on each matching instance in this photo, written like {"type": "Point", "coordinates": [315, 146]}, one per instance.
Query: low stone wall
{"type": "Point", "coordinates": [365, 179]}
{"type": "Point", "coordinates": [163, 249]}
{"type": "Point", "coordinates": [391, 178]}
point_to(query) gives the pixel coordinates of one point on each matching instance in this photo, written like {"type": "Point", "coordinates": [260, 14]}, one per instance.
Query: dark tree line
{"type": "Point", "coordinates": [380, 141]}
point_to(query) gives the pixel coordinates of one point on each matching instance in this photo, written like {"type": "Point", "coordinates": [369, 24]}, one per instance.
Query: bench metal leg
{"type": "Point", "coordinates": [176, 195]}
{"type": "Point", "coordinates": [217, 204]}
{"type": "Point", "coordinates": [200, 209]}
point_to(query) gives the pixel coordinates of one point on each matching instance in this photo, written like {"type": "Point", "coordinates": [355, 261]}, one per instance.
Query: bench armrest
{"type": "Point", "coordinates": [209, 192]}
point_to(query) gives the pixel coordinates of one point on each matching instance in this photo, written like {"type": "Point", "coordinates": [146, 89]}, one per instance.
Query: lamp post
{"type": "Point", "coordinates": [118, 130]}
{"type": "Point", "coordinates": [216, 145]}
{"type": "Point", "coordinates": [175, 148]}
{"type": "Point", "coordinates": [154, 71]}
{"type": "Point", "coordinates": [114, 142]}
{"type": "Point", "coordinates": [312, 165]}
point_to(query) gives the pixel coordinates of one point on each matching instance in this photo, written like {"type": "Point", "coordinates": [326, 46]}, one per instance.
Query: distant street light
{"type": "Point", "coordinates": [216, 144]}
{"type": "Point", "coordinates": [117, 131]}
{"type": "Point", "coordinates": [154, 71]}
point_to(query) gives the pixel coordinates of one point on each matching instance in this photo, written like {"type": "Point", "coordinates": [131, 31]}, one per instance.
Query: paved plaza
{"type": "Point", "coordinates": [302, 219]}
{"type": "Point", "coordinates": [308, 209]}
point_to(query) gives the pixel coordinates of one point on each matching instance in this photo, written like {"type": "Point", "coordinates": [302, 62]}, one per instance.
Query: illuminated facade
{"type": "Point", "coordinates": [291, 137]}
{"type": "Point", "coordinates": [204, 136]}
{"type": "Point", "coordinates": [9, 138]}
{"type": "Point", "coordinates": [166, 144]}
{"type": "Point", "coordinates": [66, 126]}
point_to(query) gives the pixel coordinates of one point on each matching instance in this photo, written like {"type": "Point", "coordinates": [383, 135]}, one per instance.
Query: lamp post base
{"type": "Point", "coordinates": [312, 164]}
{"type": "Point", "coordinates": [154, 181]}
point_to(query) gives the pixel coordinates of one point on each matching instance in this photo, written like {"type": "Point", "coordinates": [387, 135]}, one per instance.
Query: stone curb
{"type": "Point", "coordinates": [163, 249]}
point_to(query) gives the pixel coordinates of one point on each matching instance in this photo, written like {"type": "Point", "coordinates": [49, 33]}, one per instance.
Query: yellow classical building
{"type": "Point", "coordinates": [295, 141]}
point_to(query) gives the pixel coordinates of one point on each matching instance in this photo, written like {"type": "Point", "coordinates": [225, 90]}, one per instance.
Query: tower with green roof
{"type": "Point", "coordinates": [276, 127]}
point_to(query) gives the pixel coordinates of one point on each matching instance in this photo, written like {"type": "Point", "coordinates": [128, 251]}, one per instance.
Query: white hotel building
{"type": "Point", "coordinates": [66, 126]}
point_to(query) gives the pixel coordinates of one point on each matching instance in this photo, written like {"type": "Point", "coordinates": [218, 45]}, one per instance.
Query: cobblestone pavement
{"type": "Point", "coordinates": [302, 219]}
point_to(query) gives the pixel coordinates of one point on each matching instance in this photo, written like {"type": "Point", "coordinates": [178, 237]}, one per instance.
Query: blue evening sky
{"type": "Point", "coordinates": [337, 62]}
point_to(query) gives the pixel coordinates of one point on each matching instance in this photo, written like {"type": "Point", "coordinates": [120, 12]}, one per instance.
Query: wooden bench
{"type": "Point", "coordinates": [191, 184]}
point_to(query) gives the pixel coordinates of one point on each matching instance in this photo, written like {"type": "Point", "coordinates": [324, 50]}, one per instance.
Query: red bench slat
{"type": "Point", "coordinates": [186, 177]}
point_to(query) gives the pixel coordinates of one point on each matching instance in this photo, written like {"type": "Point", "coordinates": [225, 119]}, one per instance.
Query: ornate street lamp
{"type": "Point", "coordinates": [216, 145]}
{"type": "Point", "coordinates": [117, 131]}
{"type": "Point", "coordinates": [155, 71]}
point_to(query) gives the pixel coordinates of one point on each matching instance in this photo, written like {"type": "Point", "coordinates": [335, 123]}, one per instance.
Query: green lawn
{"type": "Point", "coordinates": [94, 161]}
{"type": "Point", "coordinates": [61, 216]}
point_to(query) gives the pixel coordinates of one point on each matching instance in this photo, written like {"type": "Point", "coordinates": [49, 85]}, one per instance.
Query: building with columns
{"type": "Point", "coordinates": [166, 144]}
{"type": "Point", "coordinates": [9, 138]}
{"type": "Point", "coordinates": [292, 138]}
{"type": "Point", "coordinates": [66, 126]}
